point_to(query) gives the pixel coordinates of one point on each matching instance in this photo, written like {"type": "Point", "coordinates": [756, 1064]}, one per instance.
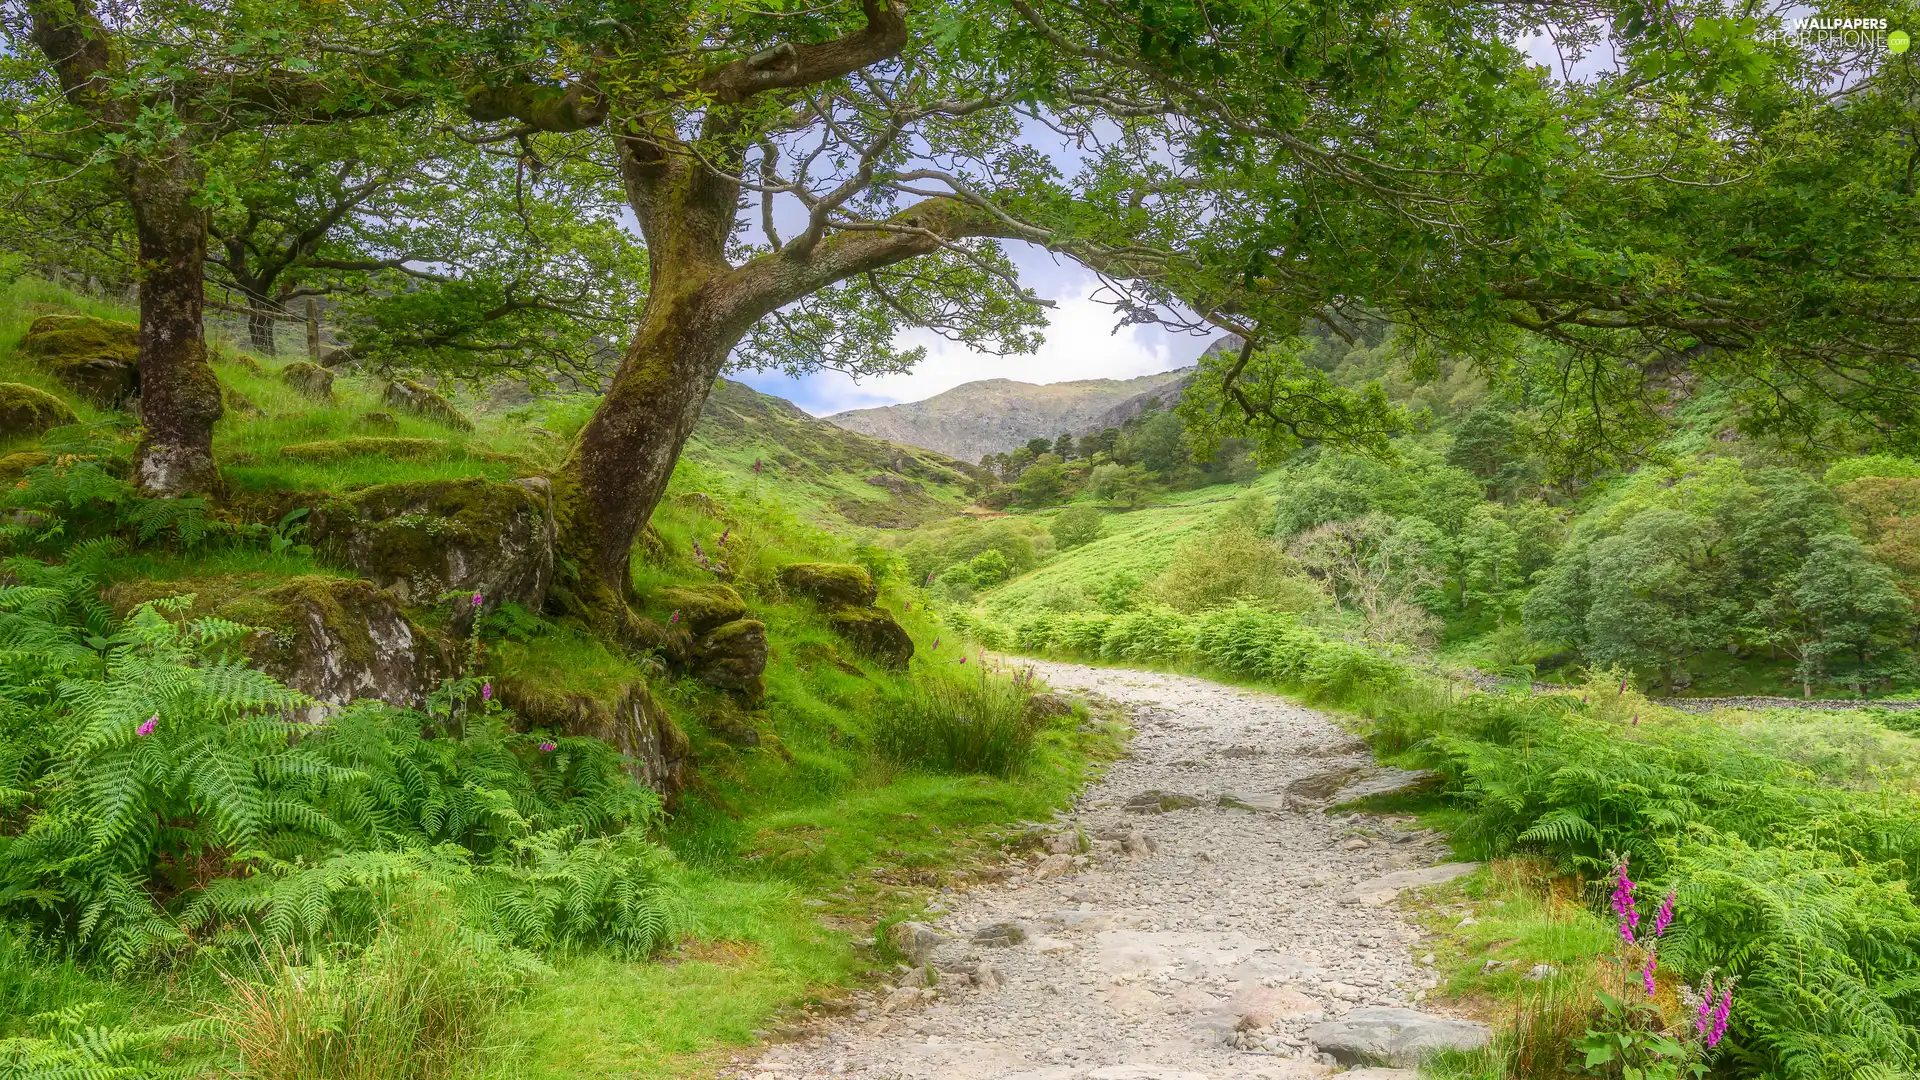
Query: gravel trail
{"type": "Point", "coordinates": [1196, 943]}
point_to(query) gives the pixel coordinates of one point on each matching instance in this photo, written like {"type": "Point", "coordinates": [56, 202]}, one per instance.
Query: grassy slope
{"type": "Point", "coordinates": [792, 848]}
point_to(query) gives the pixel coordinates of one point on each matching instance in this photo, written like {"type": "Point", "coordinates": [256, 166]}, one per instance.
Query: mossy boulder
{"type": "Point", "coordinates": [15, 466]}
{"type": "Point", "coordinates": [632, 720]}
{"type": "Point", "coordinates": [830, 584]}
{"type": "Point", "coordinates": [380, 421]}
{"type": "Point", "coordinates": [733, 656]}
{"type": "Point", "coordinates": [26, 411]}
{"type": "Point", "coordinates": [701, 608]}
{"type": "Point", "coordinates": [873, 631]}
{"type": "Point", "coordinates": [417, 399]}
{"type": "Point", "coordinates": [308, 380]}
{"type": "Point", "coordinates": [338, 640]}
{"type": "Point", "coordinates": [424, 539]}
{"type": "Point", "coordinates": [95, 358]}
{"type": "Point", "coordinates": [394, 447]}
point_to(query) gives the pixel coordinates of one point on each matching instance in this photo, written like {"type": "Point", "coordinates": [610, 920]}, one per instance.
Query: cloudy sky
{"type": "Point", "coordinates": [1080, 344]}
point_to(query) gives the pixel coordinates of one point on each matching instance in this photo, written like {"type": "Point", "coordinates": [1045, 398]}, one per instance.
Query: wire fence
{"type": "Point", "coordinates": [240, 324]}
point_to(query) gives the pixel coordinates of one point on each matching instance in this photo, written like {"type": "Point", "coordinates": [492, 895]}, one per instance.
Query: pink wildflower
{"type": "Point", "coordinates": [476, 598]}
{"type": "Point", "coordinates": [756, 466]}
{"type": "Point", "coordinates": [1623, 903]}
{"type": "Point", "coordinates": [486, 691]}
{"type": "Point", "coordinates": [1664, 917]}
{"type": "Point", "coordinates": [548, 747]}
{"type": "Point", "coordinates": [963, 659]}
{"type": "Point", "coordinates": [1704, 1019]}
{"type": "Point", "coordinates": [1646, 971]}
{"type": "Point", "coordinates": [936, 642]}
{"type": "Point", "coordinates": [1720, 1013]}
{"type": "Point", "coordinates": [147, 727]}
{"type": "Point", "coordinates": [673, 618]}
{"type": "Point", "coordinates": [929, 577]}
{"type": "Point", "coordinates": [698, 553]}
{"type": "Point", "coordinates": [724, 533]}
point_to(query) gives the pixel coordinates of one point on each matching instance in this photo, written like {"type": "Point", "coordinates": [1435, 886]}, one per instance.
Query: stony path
{"type": "Point", "coordinates": [1198, 943]}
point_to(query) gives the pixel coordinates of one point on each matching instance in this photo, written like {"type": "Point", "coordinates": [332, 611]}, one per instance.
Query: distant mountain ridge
{"type": "Point", "coordinates": [993, 416]}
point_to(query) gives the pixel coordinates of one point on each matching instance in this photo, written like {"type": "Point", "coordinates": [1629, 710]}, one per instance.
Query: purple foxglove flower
{"type": "Point", "coordinates": [929, 577]}
{"type": "Point", "coordinates": [146, 728]}
{"type": "Point", "coordinates": [724, 533]}
{"type": "Point", "coordinates": [548, 747]}
{"type": "Point", "coordinates": [486, 691]}
{"type": "Point", "coordinates": [1704, 1019]}
{"type": "Point", "coordinates": [698, 552]}
{"type": "Point", "coordinates": [909, 605]}
{"type": "Point", "coordinates": [756, 466]}
{"type": "Point", "coordinates": [963, 659]}
{"type": "Point", "coordinates": [673, 618]}
{"type": "Point", "coordinates": [1646, 971]}
{"type": "Point", "coordinates": [1636, 720]}
{"type": "Point", "coordinates": [1720, 1013]}
{"type": "Point", "coordinates": [1623, 903]}
{"type": "Point", "coordinates": [1664, 917]}
{"type": "Point", "coordinates": [476, 599]}
{"type": "Point", "coordinates": [936, 643]}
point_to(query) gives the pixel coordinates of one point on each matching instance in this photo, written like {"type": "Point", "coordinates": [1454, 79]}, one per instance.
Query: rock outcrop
{"type": "Point", "coordinates": [847, 593]}
{"type": "Point", "coordinates": [95, 358]}
{"type": "Point", "coordinates": [631, 720]}
{"type": "Point", "coordinates": [873, 631]}
{"type": "Point", "coordinates": [830, 584]}
{"type": "Point", "coordinates": [426, 539]}
{"type": "Point", "coordinates": [337, 640]}
{"type": "Point", "coordinates": [1397, 1038]}
{"type": "Point", "coordinates": [26, 411]}
{"type": "Point", "coordinates": [732, 656]}
{"type": "Point", "coordinates": [407, 396]}
{"type": "Point", "coordinates": [308, 379]}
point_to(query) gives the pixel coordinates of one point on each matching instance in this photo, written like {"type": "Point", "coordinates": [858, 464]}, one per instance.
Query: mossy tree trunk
{"type": "Point", "coordinates": [179, 394]}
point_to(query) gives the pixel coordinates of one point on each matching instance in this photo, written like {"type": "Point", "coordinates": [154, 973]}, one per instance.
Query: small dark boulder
{"type": "Point", "coordinates": [309, 380]}
{"type": "Point", "coordinates": [874, 632]}
{"type": "Point", "coordinates": [95, 358]}
{"type": "Point", "coordinates": [1049, 706]}
{"type": "Point", "coordinates": [702, 608]}
{"type": "Point", "coordinates": [424, 539]}
{"type": "Point", "coordinates": [830, 584]}
{"type": "Point", "coordinates": [26, 411]}
{"type": "Point", "coordinates": [380, 421]}
{"type": "Point", "coordinates": [407, 396]}
{"type": "Point", "coordinates": [732, 656]}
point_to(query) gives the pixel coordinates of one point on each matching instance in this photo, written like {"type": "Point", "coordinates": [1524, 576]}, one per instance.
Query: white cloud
{"type": "Point", "coordinates": [1080, 344]}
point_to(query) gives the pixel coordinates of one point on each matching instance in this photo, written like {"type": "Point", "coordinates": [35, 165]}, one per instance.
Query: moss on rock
{"type": "Point", "coordinates": [95, 358]}
{"type": "Point", "coordinates": [873, 631]}
{"type": "Point", "coordinates": [402, 449]}
{"type": "Point", "coordinates": [407, 396]}
{"type": "Point", "coordinates": [335, 639]}
{"type": "Point", "coordinates": [701, 607]}
{"type": "Point", "coordinates": [26, 411]}
{"type": "Point", "coordinates": [308, 379]}
{"type": "Point", "coordinates": [424, 539]}
{"type": "Point", "coordinates": [830, 584]}
{"type": "Point", "coordinates": [733, 656]}
{"type": "Point", "coordinates": [631, 719]}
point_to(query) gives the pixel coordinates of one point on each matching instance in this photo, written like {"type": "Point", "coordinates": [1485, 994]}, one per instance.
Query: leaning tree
{"type": "Point", "coordinates": [809, 181]}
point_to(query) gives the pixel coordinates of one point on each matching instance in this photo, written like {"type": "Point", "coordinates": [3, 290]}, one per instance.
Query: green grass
{"type": "Point", "coordinates": [789, 799]}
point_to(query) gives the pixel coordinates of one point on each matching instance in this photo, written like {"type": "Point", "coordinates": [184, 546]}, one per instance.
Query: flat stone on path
{"type": "Point", "coordinates": [1382, 890]}
{"type": "Point", "coordinates": [1395, 1037]}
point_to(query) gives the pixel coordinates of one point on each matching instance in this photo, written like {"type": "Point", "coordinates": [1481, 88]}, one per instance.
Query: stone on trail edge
{"type": "Point", "coordinates": [1215, 942]}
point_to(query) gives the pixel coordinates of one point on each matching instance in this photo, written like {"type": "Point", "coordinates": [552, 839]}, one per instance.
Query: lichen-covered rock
{"type": "Point", "coordinates": [701, 608]}
{"type": "Point", "coordinates": [874, 632]}
{"type": "Point", "coordinates": [368, 446]}
{"type": "Point", "coordinates": [732, 656]}
{"type": "Point", "coordinates": [15, 466]}
{"type": "Point", "coordinates": [830, 584]}
{"type": "Point", "coordinates": [26, 411]}
{"type": "Point", "coordinates": [632, 720]}
{"type": "Point", "coordinates": [425, 539]}
{"type": "Point", "coordinates": [308, 379]}
{"type": "Point", "coordinates": [338, 640]}
{"type": "Point", "coordinates": [408, 396]}
{"type": "Point", "coordinates": [95, 358]}
{"type": "Point", "coordinates": [237, 403]}
{"type": "Point", "coordinates": [380, 421]}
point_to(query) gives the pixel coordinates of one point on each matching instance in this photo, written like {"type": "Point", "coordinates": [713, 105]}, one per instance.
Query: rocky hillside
{"type": "Point", "coordinates": [834, 474]}
{"type": "Point", "coordinates": [996, 415]}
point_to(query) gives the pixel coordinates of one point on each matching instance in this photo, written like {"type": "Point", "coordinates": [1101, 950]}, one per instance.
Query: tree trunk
{"type": "Point", "coordinates": [179, 394]}
{"type": "Point", "coordinates": [620, 464]}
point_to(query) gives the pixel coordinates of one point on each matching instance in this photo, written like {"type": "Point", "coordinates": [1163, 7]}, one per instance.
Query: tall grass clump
{"type": "Point", "coordinates": [959, 724]}
{"type": "Point", "coordinates": [414, 1005]}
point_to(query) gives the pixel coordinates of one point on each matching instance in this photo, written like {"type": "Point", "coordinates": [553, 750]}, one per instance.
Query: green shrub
{"type": "Point", "coordinates": [1076, 526]}
{"type": "Point", "coordinates": [958, 724]}
{"type": "Point", "coordinates": [1153, 633]}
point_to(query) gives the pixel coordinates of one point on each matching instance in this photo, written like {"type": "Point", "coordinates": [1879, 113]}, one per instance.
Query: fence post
{"type": "Point", "coordinates": [313, 329]}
